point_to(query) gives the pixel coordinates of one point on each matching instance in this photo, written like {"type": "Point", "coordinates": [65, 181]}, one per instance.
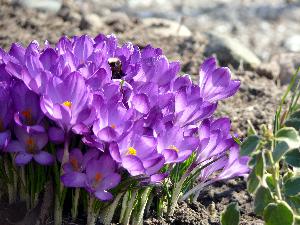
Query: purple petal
{"type": "Point", "coordinates": [44, 158]}
{"type": "Point", "coordinates": [15, 146]}
{"type": "Point", "coordinates": [56, 135]}
{"type": "Point", "coordinates": [23, 158]}
{"type": "Point", "coordinates": [133, 164]}
{"type": "Point", "coordinates": [103, 195]}
{"type": "Point", "coordinates": [74, 179]}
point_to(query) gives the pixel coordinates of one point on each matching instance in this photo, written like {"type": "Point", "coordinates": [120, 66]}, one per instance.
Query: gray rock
{"type": "Point", "coordinates": [166, 28]}
{"type": "Point", "coordinates": [230, 51]}
{"type": "Point", "coordinates": [45, 5]}
{"type": "Point", "coordinates": [91, 21]}
{"type": "Point", "coordinates": [288, 64]}
{"type": "Point", "coordinates": [292, 43]}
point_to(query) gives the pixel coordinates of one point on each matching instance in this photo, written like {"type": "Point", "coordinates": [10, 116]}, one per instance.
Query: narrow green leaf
{"type": "Point", "coordinates": [249, 145]}
{"type": "Point", "coordinates": [292, 186]}
{"type": "Point", "coordinates": [231, 215]}
{"type": "Point", "coordinates": [262, 198]}
{"type": "Point", "coordinates": [278, 214]}
{"type": "Point", "coordinates": [288, 135]}
{"type": "Point", "coordinates": [293, 158]}
{"type": "Point", "coordinates": [252, 182]}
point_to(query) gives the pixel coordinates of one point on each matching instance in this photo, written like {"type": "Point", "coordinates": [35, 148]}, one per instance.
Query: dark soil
{"type": "Point", "coordinates": [255, 102]}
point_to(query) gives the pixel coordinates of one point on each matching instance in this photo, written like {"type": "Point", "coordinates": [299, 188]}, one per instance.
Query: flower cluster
{"type": "Point", "coordinates": [112, 112]}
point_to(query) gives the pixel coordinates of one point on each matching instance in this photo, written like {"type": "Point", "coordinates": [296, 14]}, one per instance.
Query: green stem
{"type": "Point", "coordinates": [124, 205]}
{"type": "Point", "coordinates": [175, 195]}
{"type": "Point", "coordinates": [275, 175]}
{"type": "Point", "coordinates": [108, 213]}
{"type": "Point", "coordinates": [57, 211]}
{"type": "Point", "coordinates": [74, 210]}
{"type": "Point", "coordinates": [130, 207]}
{"type": "Point", "coordinates": [138, 219]}
{"type": "Point", "coordinates": [91, 215]}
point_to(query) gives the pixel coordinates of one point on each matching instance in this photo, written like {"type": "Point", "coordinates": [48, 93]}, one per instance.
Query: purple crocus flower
{"type": "Point", "coordinates": [29, 146]}
{"type": "Point", "coordinates": [175, 146]}
{"type": "Point", "coordinates": [27, 105]}
{"type": "Point", "coordinates": [67, 102]}
{"type": "Point", "coordinates": [100, 175]}
{"type": "Point", "coordinates": [138, 154]}
{"type": "Point", "coordinates": [215, 83]}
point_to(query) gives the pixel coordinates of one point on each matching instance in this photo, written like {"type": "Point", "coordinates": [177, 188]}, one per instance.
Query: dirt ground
{"type": "Point", "coordinates": [256, 100]}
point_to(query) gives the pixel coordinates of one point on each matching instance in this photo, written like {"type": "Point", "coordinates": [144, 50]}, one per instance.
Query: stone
{"type": "Point", "coordinates": [292, 43]}
{"type": "Point", "coordinates": [165, 27]}
{"type": "Point", "coordinates": [91, 21]}
{"type": "Point", "coordinates": [45, 5]}
{"type": "Point", "coordinates": [288, 64]}
{"type": "Point", "coordinates": [230, 50]}
{"type": "Point", "coordinates": [269, 70]}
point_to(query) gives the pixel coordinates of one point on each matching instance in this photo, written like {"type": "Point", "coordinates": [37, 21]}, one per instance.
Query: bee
{"type": "Point", "coordinates": [116, 68]}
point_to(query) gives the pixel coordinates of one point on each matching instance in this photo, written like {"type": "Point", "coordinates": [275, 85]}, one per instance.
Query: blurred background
{"type": "Point", "coordinates": [258, 39]}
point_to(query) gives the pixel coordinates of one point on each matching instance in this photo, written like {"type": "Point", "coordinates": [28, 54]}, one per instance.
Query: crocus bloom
{"type": "Point", "coordinates": [137, 154]}
{"type": "Point", "coordinates": [30, 146]}
{"type": "Point", "coordinates": [67, 102]}
{"type": "Point", "coordinates": [99, 177]}
{"type": "Point", "coordinates": [175, 146]}
{"type": "Point", "coordinates": [215, 83]}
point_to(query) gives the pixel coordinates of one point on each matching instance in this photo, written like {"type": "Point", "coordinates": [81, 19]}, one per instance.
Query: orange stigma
{"type": "Point", "coordinates": [28, 116]}
{"type": "Point", "coordinates": [30, 145]}
{"type": "Point", "coordinates": [74, 163]}
{"type": "Point", "coordinates": [113, 126]}
{"type": "Point", "coordinates": [98, 177]}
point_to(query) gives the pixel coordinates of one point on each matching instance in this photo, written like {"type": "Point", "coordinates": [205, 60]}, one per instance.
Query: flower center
{"type": "Point", "coordinates": [113, 126]}
{"type": "Point", "coordinates": [68, 104]}
{"type": "Point", "coordinates": [27, 117]}
{"type": "Point", "coordinates": [74, 163]}
{"type": "Point", "coordinates": [98, 177]}
{"type": "Point", "coordinates": [30, 145]}
{"type": "Point", "coordinates": [131, 151]}
{"type": "Point", "coordinates": [173, 147]}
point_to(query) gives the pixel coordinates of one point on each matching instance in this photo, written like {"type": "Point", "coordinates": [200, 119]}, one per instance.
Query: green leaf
{"type": "Point", "coordinates": [262, 198]}
{"type": "Point", "coordinates": [280, 149]}
{"type": "Point", "coordinates": [297, 220]}
{"type": "Point", "coordinates": [231, 215]}
{"type": "Point", "coordinates": [278, 214]}
{"type": "Point", "coordinates": [293, 122]}
{"type": "Point", "coordinates": [270, 182]}
{"type": "Point", "coordinates": [293, 158]}
{"type": "Point", "coordinates": [249, 145]}
{"type": "Point", "coordinates": [295, 114]}
{"type": "Point", "coordinates": [292, 186]}
{"type": "Point", "coordinates": [260, 165]}
{"type": "Point", "coordinates": [294, 202]}
{"type": "Point", "coordinates": [290, 136]}
{"type": "Point", "coordinates": [252, 182]}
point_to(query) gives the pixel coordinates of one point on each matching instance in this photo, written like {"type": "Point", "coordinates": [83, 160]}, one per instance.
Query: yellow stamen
{"type": "Point", "coordinates": [131, 151]}
{"type": "Point", "coordinates": [98, 177]}
{"type": "Point", "coordinates": [68, 104]}
{"type": "Point", "coordinates": [173, 147]}
{"type": "Point", "coordinates": [113, 126]}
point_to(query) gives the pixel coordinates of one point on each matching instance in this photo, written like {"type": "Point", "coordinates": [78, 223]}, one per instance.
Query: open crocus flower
{"type": "Point", "coordinates": [113, 122]}
{"type": "Point", "coordinates": [175, 146]}
{"type": "Point", "coordinates": [100, 176]}
{"type": "Point", "coordinates": [215, 83]}
{"type": "Point", "coordinates": [67, 102]}
{"type": "Point", "coordinates": [27, 105]}
{"type": "Point", "coordinates": [137, 154]}
{"type": "Point", "coordinates": [30, 146]}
